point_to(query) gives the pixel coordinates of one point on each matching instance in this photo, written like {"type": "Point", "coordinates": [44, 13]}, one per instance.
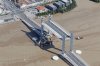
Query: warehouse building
{"type": "Point", "coordinates": [59, 4]}
{"type": "Point", "coordinates": [51, 7]}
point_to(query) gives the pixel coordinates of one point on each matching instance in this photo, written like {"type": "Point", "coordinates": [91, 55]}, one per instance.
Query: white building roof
{"type": "Point", "coordinates": [66, 1]}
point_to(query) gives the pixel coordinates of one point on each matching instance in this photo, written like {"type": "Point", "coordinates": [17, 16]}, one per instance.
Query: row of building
{"type": "Point", "coordinates": [54, 6]}
{"type": "Point", "coordinates": [29, 1]}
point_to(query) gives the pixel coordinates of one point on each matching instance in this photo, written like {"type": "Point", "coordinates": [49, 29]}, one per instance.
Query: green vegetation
{"type": "Point", "coordinates": [68, 8]}
{"type": "Point", "coordinates": [1, 14]}
{"type": "Point", "coordinates": [98, 1]}
{"type": "Point", "coordinates": [60, 9]}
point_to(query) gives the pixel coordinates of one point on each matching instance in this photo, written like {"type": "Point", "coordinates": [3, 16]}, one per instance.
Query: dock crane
{"type": "Point", "coordinates": [42, 36]}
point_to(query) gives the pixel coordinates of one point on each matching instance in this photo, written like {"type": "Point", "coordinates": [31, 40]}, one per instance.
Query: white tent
{"type": "Point", "coordinates": [1, 21]}
{"type": "Point", "coordinates": [67, 1]}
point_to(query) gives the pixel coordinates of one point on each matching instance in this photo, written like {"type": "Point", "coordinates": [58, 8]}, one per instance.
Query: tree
{"type": "Point", "coordinates": [96, 1]}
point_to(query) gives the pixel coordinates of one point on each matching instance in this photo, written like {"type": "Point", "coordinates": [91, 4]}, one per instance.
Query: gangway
{"type": "Point", "coordinates": [59, 32]}
{"type": "Point", "coordinates": [29, 22]}
{"type": "Point", "coordinates": [73, 58]}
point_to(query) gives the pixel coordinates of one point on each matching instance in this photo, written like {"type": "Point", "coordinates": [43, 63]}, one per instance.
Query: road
{"type": "Point", "coordinates": [20, 14]}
